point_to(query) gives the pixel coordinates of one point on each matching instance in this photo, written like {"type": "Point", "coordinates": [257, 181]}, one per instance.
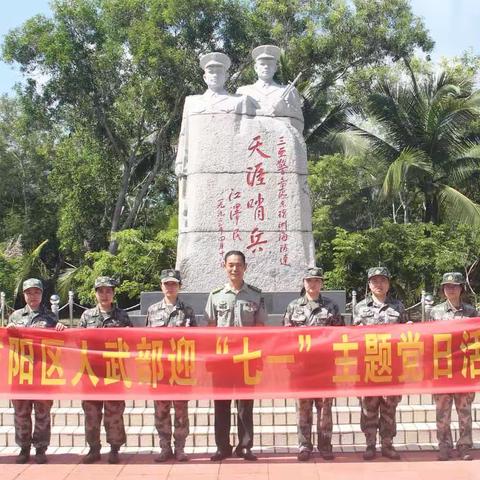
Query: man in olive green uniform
{"type": "Point", "coordinates": [453, 286]}
{"type": "Point", "coordinates": [313, 310]}
{"type": "Point", "coordinates": [378, 413]}
{"type": "Point", "coordinates": [105, 315]}
{"type": "Point", "coordinates": [33, 315]}
{"type": "Point", "coordinates": [236, 304]}
{"type": "Point", "coordinates": [171, 312]}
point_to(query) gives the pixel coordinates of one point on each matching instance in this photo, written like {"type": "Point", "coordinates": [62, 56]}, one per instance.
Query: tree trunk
{"type": "Point", "coordinates": [144, 189]}
{"type": "Point", "coordinates": [113, 246]}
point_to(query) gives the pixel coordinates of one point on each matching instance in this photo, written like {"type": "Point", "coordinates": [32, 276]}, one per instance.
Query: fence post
{"type": "Point", "coordinates": [54, 301]}
{"type": "Point", "coordinates": [70, 306]}
{"type": "Point", "coordinates": [2, 306]}
{"type": "Point", "coordinates": [354, 302]}
{"type": "Point", "coordinates": [423, 304]}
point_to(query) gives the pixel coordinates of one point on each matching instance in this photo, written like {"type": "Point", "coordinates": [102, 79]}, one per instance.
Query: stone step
{"type": "Point", "coordinates": [414, 399]}
{"type": "Point", "coordinates": [265, 438]}
{"type": "Point", "coordinates": [263, 416]}
{"type": "Point", "coordinates": [202, 450]}
{"type": "Point", "coordinates": [274, 420]}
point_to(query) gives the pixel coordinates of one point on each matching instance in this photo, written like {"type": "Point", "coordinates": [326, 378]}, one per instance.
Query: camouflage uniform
{"type": "Point", "coordinates": [378, 413]}
{"type": "Point", "coordinates": [227, 307]}
{"type": "Point", "coordinates": [113, 409]}
{"type": "Point", "coordinates": [444, 401]}
{"type": "Point", "coordinates": [313, 313]}
{"type": "Point", "coordinates": [179, 315]}
{"type": "Point", "coordinates": [42, 318]}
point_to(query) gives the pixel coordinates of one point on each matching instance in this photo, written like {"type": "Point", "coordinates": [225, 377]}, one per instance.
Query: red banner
{"type": "Point", "coordinates": [224, 363]}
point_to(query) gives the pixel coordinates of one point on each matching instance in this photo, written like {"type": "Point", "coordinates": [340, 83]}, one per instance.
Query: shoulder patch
{"type": "Point", "coordinates": [255, 289]}
{"type": "Point", "coordinates": [216, 290]}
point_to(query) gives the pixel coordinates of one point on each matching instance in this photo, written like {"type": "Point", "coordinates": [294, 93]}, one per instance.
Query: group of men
{"type": "Point", "coordinates": [238, 304]}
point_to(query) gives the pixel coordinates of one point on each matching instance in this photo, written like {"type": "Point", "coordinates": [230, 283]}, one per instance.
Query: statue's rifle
{"type": "Point", "coordinates": [291, 86]}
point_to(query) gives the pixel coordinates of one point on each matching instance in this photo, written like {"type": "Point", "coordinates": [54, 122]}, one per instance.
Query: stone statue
{"type": "Point", "coordinates": [242, 169]}
{"type": "Point", "coordinates": [273, 99]}
{"type": "Point", "coordinates": [215, 100]}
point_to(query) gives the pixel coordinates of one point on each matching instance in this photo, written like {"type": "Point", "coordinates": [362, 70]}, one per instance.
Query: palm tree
{"type": "Point", "coordinates": [422, 125]}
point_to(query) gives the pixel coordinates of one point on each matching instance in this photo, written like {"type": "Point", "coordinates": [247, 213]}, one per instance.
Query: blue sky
{"type": "Point", "coordinates": [453, 24]}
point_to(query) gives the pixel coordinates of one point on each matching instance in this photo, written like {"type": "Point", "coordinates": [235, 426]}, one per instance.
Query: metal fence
{"type": "Point", "coordinates": [425, 303]}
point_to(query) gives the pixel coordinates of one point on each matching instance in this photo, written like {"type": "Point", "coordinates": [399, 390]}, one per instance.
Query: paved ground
{"type": "Point", "coordinates": [141, 466]}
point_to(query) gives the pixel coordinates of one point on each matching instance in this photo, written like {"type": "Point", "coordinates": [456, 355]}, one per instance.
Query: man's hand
{"type": "Point", "coordinates": [60, 326]}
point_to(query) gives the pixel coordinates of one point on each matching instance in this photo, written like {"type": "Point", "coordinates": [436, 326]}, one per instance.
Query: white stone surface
{"type": "Point", "coordinates": [242, 173]}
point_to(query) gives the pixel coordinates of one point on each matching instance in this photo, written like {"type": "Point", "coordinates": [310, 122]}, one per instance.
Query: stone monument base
{"type": "Point", "coordinates": [275, 302]}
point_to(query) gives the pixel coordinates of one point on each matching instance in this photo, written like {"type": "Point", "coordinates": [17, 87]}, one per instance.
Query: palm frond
{"type": "Point", "coordinates": [455, 206]}
{"type": "Point", "coordinates": [409, 163]}
{"type": "Point", "coordinates": [65, 281]}
{"type": "Point", "coordinates": [31, 265]}
{"type": "Point", "coordinates": [349, 142]}
{"type": "Point", "coordinates": [378, 145]}
{"type": "Point", "coordinates": [465, 164]}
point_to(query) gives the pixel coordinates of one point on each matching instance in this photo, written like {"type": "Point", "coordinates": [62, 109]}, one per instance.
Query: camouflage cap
{"type": "Point", "coordinates": [170, 275]}
{"type": "Point", "coordinates": [105, 282]}
{"type": "Point", "coordinates": [32, 283]}
{"type": "Point", "coordinates": [456, 278]}
{"type": "Point", "coordinates": [374, 271]}
{"type": "Point", "coordinates": [313, 272]}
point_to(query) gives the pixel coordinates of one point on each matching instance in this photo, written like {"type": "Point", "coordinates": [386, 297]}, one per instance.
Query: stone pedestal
{"type": "Point", "coordinates": [245, 189]}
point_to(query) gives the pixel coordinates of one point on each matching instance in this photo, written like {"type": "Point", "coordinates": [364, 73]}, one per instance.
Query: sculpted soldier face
{"type": "Point", "coordinates": [33, 297]}
{"type": "Point", "coordinates": [379, 285]}
{"type": "Point", "coordinates": [215, 77]}
{"type": "Point", "coordinates": [235, 268]}
{"type": "Point", "coordinates": [265, 68]}
{"type": "Point", "coordinates": [105, 296]}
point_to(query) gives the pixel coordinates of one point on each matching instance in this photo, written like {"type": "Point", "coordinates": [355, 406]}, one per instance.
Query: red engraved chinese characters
{"type": "Point", "coordinates": [282, 201]}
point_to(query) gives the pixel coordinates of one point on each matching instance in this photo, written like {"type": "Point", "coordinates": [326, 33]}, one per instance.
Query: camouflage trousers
{"type": "Point", "coordinates": [113, 422]}
{"type": "Point", "coordinates": [23, 423]}
{"type": "Point", "coordinates": [463, 405]}
{"type": "Point", "coordinates": [163, 422]}
{"type": "Point", "coordinates": [378, 414]}
{"type": "Point", "coordinates": [305, 422]}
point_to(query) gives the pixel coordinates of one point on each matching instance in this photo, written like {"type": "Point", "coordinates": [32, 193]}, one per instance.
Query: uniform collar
{"type": "Point", "coordinates": [27, 310]}
{"type": "Point", "coordinates": [98, 312]}
{"type": "Point", "coordinates": [305, 300]}
{"type": "Point", "coordinates": [450, 308]}
{"type": "Point", "coordinates": [211, 94]}
{"type": "Point", "coordinates": [265, 85]}
{"type": "Point", "coordinates": [163, 304]}
{"type": "Point", "coordinates": [229, 288]}
{"type": "Point", "coordinates": [371, 301]}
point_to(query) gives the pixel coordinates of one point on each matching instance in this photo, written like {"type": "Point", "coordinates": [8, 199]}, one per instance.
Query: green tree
{"type": "Point", "coordinates": [416, 254]}
{"type": "Point", "coordinates": [26, 146]}
{"type": "Point", "coordinates": [118, 71]}
{"type": "Point", "coordinates": [421, 135]}
{"type": "Point", "coordinates": [137, 266]}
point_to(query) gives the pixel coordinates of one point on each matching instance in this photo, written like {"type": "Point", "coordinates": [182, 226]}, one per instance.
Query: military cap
{"type": "Point", "coordinates": [313, 272]}
{"type": "Point", "coordinates": [170, 275]}
{"type": "Point", "coordinates": [215, 59]}
{"type": "Point", "coordinates": [383, 271]}
{"type": "Point", "coordinates": [271, 52]}
{"type": "Point", "coordinates": [455, 278]}
{"type": "Point", "coordinates": [105, 282]}
{"type": "Point", "coordinates": [32, 283]}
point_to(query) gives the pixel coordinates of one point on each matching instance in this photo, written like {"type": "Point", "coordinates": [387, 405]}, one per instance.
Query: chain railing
{"type": "Point", "coordinates": [55, 307]}
{"type": "Point", "coordinates": [4, 309]}
{"type": "Point", "coordinates": [426, 303]}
